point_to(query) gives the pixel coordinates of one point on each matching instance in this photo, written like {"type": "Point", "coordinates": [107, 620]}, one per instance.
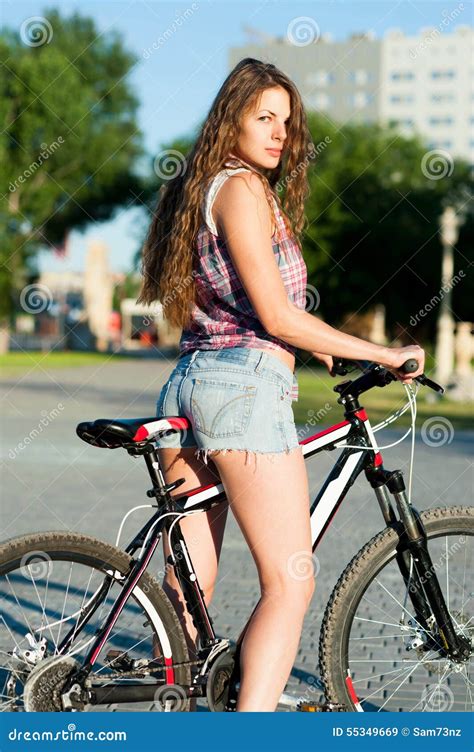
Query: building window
{"type": "Point", "coordinates": [320, 78]}
{"type": "Point", "coordinates": [441, 120]}
{"type": "Point", "coordinates": [359, 99]}
{"type": "Point", "coordinates": [402, 99]}
{"type": "Point", "coordinates": [359, 76]}
{"type": "Point", "coordinates": [439, 75]}
{"type": "Point", "coordinates": [402, 76]}
{"type": "Point", "coordinates": [447, 96]}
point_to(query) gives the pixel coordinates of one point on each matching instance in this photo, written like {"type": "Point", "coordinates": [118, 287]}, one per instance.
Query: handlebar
{"type": "Point", "coordinates": [342, 366]}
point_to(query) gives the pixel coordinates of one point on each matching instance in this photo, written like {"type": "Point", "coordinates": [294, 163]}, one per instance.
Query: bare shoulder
{"type": "Point", "coordinates": [242, 198]}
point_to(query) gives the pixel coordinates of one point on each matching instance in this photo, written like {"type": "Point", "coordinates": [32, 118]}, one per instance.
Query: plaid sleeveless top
{"type": "Point", "coordinates": [223, 315]}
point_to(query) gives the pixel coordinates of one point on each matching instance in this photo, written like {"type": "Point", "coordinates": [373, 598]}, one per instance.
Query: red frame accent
{"type": "Point", "coordinates": [325, 432]}
{"type": "Point", "coordinates": [351, 690]}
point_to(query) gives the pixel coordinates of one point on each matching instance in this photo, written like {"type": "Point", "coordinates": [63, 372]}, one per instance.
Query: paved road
{"type": "Point", "coordinates": [52, 480]}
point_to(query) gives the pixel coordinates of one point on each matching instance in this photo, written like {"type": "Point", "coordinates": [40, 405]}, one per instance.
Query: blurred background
{"type": "Point", "coordinates": [102, 101]}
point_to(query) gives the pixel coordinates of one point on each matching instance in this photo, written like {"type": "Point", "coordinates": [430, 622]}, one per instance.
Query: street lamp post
{"type": "Point", "coordinates": [444, 354]}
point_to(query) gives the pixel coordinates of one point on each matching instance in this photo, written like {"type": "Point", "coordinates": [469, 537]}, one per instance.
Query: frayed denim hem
{"type": "Point", "coordinates": [269, 455]}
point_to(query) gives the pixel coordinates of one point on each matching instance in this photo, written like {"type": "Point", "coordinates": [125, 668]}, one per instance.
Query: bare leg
{"type": "Point", "coordinates": [270, 500]}
{"type": "Point", "coordinates": [203, 534]}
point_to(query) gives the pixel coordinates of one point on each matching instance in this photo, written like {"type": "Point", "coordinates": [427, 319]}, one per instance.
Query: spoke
{"type": "Point", "coordinates": [44, 613]}
{"type": "Point", "coordinates": [377, 637]}
{"type": "Point", "coordinates": [65, 599]}
{"type": "Point", "coordinates": [447, 571]}
{"type": "Point", "coordinates": [373, 621]}
{"type": "Point", "coordinates": [397, 602]}
{"type": "Point", "coordinates": [19, 605]}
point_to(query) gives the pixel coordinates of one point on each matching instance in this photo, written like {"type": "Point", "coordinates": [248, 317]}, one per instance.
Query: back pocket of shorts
{"type": "Point", "coordinates": [221, 408]}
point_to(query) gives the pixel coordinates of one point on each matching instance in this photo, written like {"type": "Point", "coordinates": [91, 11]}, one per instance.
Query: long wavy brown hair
{"type": "Point", "coordinates": [169, 252]}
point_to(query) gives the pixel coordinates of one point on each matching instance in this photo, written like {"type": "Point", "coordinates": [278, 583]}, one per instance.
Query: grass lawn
{"type": "Point", "coordinates": [317, 404]}
{"type": "Point", "coordinates": [16, 363]}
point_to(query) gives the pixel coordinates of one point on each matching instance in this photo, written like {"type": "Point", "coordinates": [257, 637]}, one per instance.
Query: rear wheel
{"type": "Point", "coordinates": [373, 654]}
{"type": "Point", "coordinates": [46, 579]}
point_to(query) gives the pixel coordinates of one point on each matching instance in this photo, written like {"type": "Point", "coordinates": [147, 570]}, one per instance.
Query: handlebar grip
{"type": "Point", "coordinates": [409, 366]}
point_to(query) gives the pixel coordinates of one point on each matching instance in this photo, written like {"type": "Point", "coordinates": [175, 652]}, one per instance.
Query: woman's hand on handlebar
{"type": "Point", "coordinates": [396, 357]}
{"type": "Point", "coordinates": [325, 359]}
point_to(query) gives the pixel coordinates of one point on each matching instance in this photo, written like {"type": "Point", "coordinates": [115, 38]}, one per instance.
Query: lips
{"type": "Point", "coordinates": [275, 151]}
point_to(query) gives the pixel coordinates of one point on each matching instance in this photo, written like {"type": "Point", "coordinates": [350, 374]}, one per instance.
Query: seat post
{"type": "Point", "coordinates": [154, 468]}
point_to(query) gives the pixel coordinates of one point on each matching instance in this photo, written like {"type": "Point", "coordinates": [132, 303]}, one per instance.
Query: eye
{"type": "Point", "coordinates": [263, 117]}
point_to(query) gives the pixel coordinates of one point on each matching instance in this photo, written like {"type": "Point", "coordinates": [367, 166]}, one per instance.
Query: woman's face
{"type": "Point", "coordinates": [264, 129]}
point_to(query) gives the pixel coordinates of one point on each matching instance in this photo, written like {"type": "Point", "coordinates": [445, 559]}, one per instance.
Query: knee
{"type": "Point", "coordinates": [297, 593]}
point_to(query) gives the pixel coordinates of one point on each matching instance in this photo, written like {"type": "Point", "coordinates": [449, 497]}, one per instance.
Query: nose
{"type": "Point", "coordinates": [279, 131]}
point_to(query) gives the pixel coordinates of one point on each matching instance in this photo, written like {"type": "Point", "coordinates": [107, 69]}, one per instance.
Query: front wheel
{"type": "Point", "coordinates": [46, 582]}
{"type": "Point", "coordinates": [373, 654]}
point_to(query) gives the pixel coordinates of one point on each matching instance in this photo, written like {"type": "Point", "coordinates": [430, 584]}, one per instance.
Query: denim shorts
{"type": "Point", "coordinates": [235, 398]}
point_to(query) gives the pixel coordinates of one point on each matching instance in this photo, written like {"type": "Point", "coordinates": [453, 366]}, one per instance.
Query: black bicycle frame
{"type": "Point", "coordinates": [423, 586]}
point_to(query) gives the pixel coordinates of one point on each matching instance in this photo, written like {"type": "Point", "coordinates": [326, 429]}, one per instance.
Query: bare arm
{"type": "Point", "coordinates": [243, 219]}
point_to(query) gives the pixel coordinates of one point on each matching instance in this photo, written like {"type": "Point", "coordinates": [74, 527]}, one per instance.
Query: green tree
{"type": "Point", "coordinates": [70, 140]}
{"type": "Point", "coordinates": [373, 212]}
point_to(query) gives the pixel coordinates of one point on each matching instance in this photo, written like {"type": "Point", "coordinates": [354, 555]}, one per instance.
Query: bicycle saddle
{"type": "Point", "coordinates": [111, 433]}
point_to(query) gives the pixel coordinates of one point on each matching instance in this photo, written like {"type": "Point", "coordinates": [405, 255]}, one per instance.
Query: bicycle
{"type": "Point", "coordinates": [92, 645]}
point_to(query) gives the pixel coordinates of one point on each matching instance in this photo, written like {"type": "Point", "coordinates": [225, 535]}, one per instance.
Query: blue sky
{"type": "Point", "coordinates": [177, 82]}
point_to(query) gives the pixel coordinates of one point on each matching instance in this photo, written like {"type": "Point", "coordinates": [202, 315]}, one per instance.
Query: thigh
{"type": "Point", "coordinates": [203, 532]}
{"type": "Point", "coordinates": [269, 498]}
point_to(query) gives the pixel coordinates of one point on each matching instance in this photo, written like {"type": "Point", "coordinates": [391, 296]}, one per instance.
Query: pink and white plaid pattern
{"type": "Point", "coordinates": [223, 315]}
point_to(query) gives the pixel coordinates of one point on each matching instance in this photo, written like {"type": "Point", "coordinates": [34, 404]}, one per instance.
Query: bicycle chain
{"type": "Point", "coordinates": [137, 673]}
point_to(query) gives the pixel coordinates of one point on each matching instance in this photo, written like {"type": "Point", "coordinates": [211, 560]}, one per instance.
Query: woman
{"type": "Point", "coordinates": [223, 256]}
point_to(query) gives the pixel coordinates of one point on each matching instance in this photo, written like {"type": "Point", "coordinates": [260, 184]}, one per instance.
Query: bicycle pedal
{"type": "Point", "coordinates": [318, 707]}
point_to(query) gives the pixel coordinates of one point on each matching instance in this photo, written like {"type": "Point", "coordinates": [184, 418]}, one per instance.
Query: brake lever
{"type": "Point", "coordinates": [422, 379]}
{"type": "Point", "coordinates": [342, 366]}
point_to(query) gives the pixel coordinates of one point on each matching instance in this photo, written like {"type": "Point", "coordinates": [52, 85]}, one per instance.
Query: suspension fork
{"type": "Point", "coordinates": [423, 584]}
